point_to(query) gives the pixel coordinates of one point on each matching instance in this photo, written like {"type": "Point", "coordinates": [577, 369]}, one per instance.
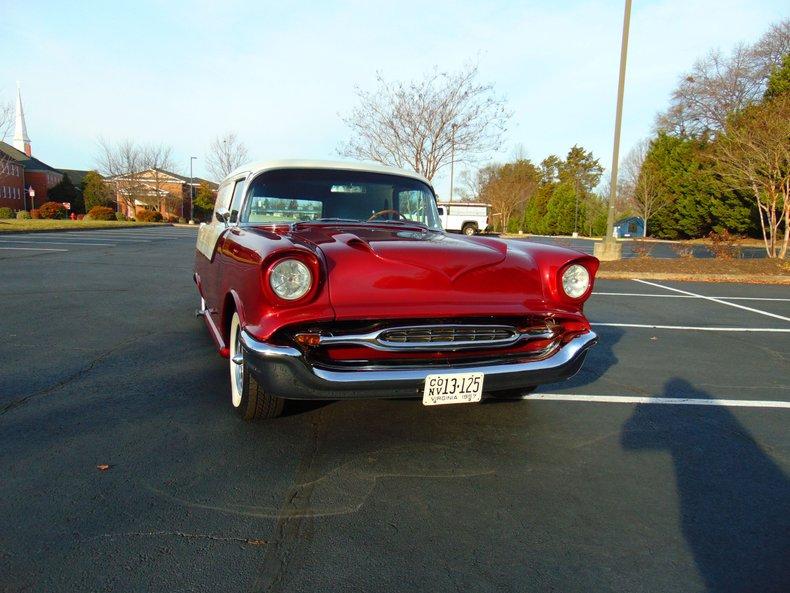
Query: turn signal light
{"type": "Point", "coordinates": [308, 339]}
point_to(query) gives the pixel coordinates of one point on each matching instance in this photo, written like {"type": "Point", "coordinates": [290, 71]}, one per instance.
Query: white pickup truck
{"type": "Point", "coordinates": [467, 217]}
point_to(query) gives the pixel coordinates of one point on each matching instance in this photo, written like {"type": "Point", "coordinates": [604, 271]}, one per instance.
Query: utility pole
{"type": "Point", "coordinates": [453, 127]}
{"type": "Point", "coordinates": [191, 190]}
{"type": "Point", "coordinates": [609, 249]}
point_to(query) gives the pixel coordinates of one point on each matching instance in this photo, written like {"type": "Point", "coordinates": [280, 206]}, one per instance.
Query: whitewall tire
{"type": "Point", "coordinates": [246, 395]}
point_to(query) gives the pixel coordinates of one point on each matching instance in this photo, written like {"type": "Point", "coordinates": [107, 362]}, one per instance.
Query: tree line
{"type": "Point", "coordinates": [718, 160]}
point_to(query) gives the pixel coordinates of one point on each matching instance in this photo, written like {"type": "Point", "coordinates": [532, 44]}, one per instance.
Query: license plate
{"type": "Point", "coordinates": [456, 388]}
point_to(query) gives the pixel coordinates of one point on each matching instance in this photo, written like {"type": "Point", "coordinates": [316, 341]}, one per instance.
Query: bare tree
{"type": "Point", "coordinates": [508, 187]}
{"type": "Point", "coordinates": [225, 154]}
{"type": "Point", "coordinates": [753, 154]}
{"type": "Point", "coordinates": [157, 161]}
{"type": "Point", "coordinates": [720, 84]}
{"type": "Point", "coordinates": [640, 183]}
{"type": "Point", "coordinates": [121, 164]}
{"type": "Point", "coordinates": [6, 119]}
{"type": "Point", "coordinates": [419, 124]}
{"type": "Point", "coordinates": [771, 48]}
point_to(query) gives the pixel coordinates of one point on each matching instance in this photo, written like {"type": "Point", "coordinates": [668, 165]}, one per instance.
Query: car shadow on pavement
{"type": "Point", "coordinates": [734, 500]}
{"type": "Point", "coordinates": [599, 360]}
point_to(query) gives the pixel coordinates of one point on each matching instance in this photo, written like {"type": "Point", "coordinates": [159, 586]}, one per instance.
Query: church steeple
{"type": "Point", "coordinates": [21, 139]}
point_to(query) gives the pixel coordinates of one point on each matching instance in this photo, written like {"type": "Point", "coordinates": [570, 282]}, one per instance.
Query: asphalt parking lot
{"type": "Point", "coordinates": [582, 487]}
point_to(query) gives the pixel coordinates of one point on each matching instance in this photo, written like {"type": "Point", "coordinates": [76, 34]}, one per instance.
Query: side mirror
{"type": "Point", "coordinates": [223, 215]}
{"type": "Point", "coordinates": [441, 211]}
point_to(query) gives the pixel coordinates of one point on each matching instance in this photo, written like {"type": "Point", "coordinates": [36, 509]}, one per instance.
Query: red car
{"type": "Point", "coordinates": [327, 280]}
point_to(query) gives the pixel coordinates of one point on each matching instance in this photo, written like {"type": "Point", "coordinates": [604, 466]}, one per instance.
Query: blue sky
{"type": "Point", "coordinates": [279, 74]}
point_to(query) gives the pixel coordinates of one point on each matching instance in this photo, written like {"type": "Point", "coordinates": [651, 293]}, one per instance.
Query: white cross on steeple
{"type": "Point", "coordinates": [21, 139]}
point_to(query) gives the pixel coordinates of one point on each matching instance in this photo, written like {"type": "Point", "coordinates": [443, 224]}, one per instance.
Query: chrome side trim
{"type": "Point", "coordinates": [267, 350]}
{"type": "Point", "coordinates": [374, 339]}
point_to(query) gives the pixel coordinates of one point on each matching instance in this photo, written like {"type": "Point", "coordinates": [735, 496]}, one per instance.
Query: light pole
{"type": "Point", "coordinates": [453, 128]}
{"type": "Point", "coordinates": [191, 190]}
{"type": "Point", "coordinates": [609, 248]}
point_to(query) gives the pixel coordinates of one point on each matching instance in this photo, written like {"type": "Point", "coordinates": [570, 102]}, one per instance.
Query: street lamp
{"type": "Point", "coordinates": [609, 249]}
{"type": "Point", "coordinates": [453, 128]}
{"type": "Point", "coordinates": [191, 190]}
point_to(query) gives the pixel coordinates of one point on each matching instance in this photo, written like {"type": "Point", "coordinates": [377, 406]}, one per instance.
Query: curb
{"type": "Point", "coordinates": [142, 225]}
{"type": "Point", "coordinates": [739, 278]}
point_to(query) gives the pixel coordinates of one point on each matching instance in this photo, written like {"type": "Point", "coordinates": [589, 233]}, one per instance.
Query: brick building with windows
{"type": "Point", "coordinates": [156, 189]}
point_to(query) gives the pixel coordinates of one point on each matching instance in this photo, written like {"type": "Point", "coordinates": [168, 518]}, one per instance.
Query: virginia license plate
{"type": "Point", "coordinates": [456, 388]}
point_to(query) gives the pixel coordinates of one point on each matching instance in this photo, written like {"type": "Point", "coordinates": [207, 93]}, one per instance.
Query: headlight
{"type": "Point", "coordinates": [290, 279]}
{"type": "Point", "coordinates": [575, 281]}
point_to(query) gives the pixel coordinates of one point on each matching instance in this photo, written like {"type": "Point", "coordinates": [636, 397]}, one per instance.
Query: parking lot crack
{"type": "Point", "coordinates": [295, 519]}
{"type": "Point", "coordinates": [181, 534]}
{"type": "Point", "coordinates": [76, 376]}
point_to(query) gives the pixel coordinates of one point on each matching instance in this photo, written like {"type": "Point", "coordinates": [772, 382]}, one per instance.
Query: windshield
{"type": "Point", "coordinates": [304, 195]}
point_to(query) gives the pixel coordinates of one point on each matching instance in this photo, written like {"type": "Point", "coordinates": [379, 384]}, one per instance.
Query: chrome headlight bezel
{"type": "Point", "coordinates": [290, 279]}
{"type": "Point", "coordinates": [575, 281]}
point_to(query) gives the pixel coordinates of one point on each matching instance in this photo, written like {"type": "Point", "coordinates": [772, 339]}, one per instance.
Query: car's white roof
{"type": "Point", "coordinates": [258, 167]}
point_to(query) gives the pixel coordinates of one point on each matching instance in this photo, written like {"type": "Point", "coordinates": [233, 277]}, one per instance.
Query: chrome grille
{"type": "Point", "coordinates": [439, 337]}
{"type": "Point", "coordinates": [446, 335]}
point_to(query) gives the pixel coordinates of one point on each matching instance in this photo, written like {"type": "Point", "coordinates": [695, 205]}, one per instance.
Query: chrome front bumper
{"type": "Point", "coordinates": [284, 372]}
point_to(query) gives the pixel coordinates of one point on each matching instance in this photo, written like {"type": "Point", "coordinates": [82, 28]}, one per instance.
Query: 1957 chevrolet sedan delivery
{"type": "Point", "coordinates": [323, 280]}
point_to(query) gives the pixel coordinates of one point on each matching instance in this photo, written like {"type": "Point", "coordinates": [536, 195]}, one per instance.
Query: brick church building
{"type": "Point", "coordinates": [24, 180]}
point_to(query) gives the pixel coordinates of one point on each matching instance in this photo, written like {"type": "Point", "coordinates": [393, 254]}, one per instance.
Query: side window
{"type": "Point", "coordinates": [235, 203]}
{"type": "Point", "coordinates": [223, 199]}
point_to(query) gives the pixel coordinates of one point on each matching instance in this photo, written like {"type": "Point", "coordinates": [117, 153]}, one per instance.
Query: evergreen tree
{"type": "Point", "coordinates": [95, 191]}
{"type": "Point", "coordinates": [698, 202]}
{"type": "Point", "coordinates": [779, 81]}
{"type": "Point", "coordinates": [66, 192]}
{"type": "Point", "coordinates": [561, 210]}
{"type": "Point", "coordinates": [204, 201]}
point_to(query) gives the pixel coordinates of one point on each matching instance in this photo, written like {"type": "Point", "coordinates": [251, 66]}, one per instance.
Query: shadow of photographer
{"type": "Point", "coordinates": [734, 500]}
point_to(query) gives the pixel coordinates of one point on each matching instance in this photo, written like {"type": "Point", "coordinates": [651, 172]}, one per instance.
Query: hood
{"type": "Point", "coordinates": [402, 271]}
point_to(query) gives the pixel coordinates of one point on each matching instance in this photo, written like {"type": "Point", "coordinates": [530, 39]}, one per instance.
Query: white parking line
{"type": "Point", "coordinates": [671, 401]}
{"type": "Point", "coordinates": [695, 328]}
{"type": "Point", "coordinates": [688, 296]}
{"type": "Point", "coordinates": [58, 243]}
{"type": "Point", "coordinates": [715, 300]}
{"type": "Point", "coordinates": [33, 249]}
{"type": "Point", "coordinates": [86, 237]}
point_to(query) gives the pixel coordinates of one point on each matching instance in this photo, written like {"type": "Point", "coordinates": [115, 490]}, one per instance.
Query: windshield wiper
{"type": "Point", "coordinates": [397, 221]}
{"type": "Point", "coordinates": [332, 220]}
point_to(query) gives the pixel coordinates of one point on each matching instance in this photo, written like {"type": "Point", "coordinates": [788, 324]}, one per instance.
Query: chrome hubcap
{"type": "Point", "coordinates": [237, 368]}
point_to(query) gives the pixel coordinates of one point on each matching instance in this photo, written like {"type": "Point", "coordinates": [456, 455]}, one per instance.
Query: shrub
{"type": "Point", "coordinates": [81, 216]}
{"type": "Point", "coordinates": [6, 213]}
{"type": "Point", "coordinates": [23, 215]}
{"type": "Point", "coordinates": [120, 217]}
{"type": "Point", "coordinates": [642, 249]}
{"type": "Point", "coordinates": [149, 216]}
{"type": "Point", "coordinates": [171, 218]}
{"type": "Point", "coordinates": [724, 245]}
{"type": "Point", "coordinates": [102, 213]}
{"type": "Point", "coordinates": [35, 213]}
{"type": "Point", "coordinates": [182, 220]}
{"type": "Point", "coordinates": [53, 210]}
{"type": "Point", "coordinates": [683, 250]}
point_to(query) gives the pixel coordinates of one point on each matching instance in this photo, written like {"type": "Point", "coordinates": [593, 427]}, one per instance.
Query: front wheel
{"type": "Point", "coordinates": [469, 230]}
{"type": "Point", "coordinates": [247, 396]}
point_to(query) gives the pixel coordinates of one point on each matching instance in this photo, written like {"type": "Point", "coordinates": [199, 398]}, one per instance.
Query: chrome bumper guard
{"type": "Point", "coordinates": [284, 372]}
